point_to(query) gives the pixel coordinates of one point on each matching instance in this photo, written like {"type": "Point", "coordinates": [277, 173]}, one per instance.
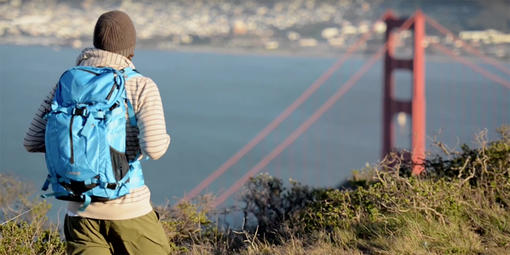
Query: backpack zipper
{"type": "Point", "coordinates": [71, 139]}
{"type": "Point", "coordinates": [111, 92]}
{"type": "Point", "coordinates": [113, 88]}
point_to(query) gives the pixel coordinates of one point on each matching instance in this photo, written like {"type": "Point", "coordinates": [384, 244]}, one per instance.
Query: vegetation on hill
{"type": "Point", "coordinates": [24, 227]}
{"type": "Point", "coordinates": [460, 205]}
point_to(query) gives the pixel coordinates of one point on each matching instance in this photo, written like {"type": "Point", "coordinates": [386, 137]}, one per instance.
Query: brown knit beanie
{"type": "Point", "coordinates": [115, 32]}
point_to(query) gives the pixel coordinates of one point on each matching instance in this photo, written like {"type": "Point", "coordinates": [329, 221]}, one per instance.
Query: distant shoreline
{"type": "Point", "coordinates": [273, 28]}
{"type": "Point", "coordinates": [305, 53]}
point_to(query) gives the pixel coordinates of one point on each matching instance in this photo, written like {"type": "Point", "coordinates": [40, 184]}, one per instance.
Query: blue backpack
{"type": "Point", "coordinates": [86, 136]}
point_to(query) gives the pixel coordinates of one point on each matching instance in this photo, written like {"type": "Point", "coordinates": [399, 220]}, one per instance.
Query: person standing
{"type": "Point", "coordinates": [126, 225]}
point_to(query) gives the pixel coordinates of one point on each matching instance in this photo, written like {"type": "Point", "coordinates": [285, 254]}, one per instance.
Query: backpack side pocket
{"type": "Point", "coordinates": [120, 165]}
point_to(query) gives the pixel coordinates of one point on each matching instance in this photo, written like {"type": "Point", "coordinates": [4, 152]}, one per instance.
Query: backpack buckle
{"type": "Point", "coordinates": [81, 111]}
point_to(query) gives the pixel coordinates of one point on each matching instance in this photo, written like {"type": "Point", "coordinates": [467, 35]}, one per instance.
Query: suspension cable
{"type": "Point", "coordinates": [279, 119]}
{"type": "Point", "coordinates": [467, 46]}
{"type": "Point", "coordinates": [312, 119]}
{"type": "Point", "coordinates": [300, 130]}
{"type": "Point", "coordinates": [474, 67]}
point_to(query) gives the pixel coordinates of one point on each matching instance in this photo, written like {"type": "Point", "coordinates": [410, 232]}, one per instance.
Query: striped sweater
{"type": "Point", "coordinates": [149, 137]}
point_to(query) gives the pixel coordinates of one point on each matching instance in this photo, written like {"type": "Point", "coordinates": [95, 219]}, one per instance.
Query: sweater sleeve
{"type": "Point", "coordinates": [153, 138]}
{"type": "Point", "coordinates": [34, 137]}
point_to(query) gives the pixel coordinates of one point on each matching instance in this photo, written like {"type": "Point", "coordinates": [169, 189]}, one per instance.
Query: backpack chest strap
{"type": "Point", "coordinates": [83, 111]}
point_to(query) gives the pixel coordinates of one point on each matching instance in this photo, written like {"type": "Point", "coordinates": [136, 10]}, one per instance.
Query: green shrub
{"type": "Point", "coordinates": [24, 227]}
{"type": "Point", "coordinates": [268, 204]}
{"type": "Point", "coordinates": [460, 205]}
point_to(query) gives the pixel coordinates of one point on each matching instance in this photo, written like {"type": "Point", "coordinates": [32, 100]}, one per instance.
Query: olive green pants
{"type": "Point", "coordinates": [141, 235]}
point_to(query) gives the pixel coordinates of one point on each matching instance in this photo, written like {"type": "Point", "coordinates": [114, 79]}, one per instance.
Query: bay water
{"type": "Point", "coordinates": [215, 103]}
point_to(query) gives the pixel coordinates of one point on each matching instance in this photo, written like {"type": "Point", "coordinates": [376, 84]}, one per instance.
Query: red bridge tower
{"type": "Point", "coordinates": [416, 106]}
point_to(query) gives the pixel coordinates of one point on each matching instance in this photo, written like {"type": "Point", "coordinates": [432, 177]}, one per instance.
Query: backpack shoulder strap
{"type": "Point", "coordinates": [131, 113]}
{"type": "Point", "coordinates": [129, 73]}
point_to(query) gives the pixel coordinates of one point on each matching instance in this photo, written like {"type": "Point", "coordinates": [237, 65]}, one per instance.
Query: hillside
{"type": "Point", "coordinates": [459, 206]}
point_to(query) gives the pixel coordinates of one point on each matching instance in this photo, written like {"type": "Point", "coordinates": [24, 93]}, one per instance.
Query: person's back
{"type": "Point", "coordinates": [127, 225]}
